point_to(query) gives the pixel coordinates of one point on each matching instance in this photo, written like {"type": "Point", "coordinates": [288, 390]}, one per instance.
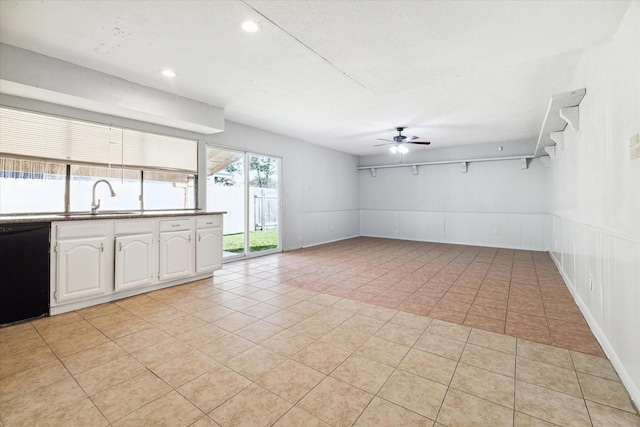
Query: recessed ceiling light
{"type": "Point", "coordinates": [250, 26]}
{"type": "Point", "coordinates": [168, 73]}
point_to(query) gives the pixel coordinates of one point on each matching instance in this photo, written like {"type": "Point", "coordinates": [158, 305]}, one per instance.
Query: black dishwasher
{"type": "Point", "coordinates": [24, 271]}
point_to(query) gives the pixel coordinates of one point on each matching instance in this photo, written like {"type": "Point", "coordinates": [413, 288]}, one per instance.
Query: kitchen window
{"type": "Point", "coordinates": [40, 154]}
{"type": "Point", "coordinates": [31, 186]}
{"type": "Point", "coordinates": [125, 183]}
{"type": "Point", "coordinates": [166, 190]}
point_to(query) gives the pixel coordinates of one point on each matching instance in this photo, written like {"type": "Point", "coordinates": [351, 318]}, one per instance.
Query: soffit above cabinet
{"type": "Point", "coordinates": [49, 80]}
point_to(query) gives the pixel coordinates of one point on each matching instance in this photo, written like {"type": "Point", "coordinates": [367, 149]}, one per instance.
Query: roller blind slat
{"type": "Point", "coordinates": [29, 134]}
{"type": "Point", "coordinates": [22, 135]}
{"type": "Point", "coordinates": [150, 150]}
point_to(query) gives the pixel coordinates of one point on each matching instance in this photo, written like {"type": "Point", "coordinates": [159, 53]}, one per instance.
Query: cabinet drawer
{"type": "Point", "coordinates": [209, 221]}
{"type": "Point", "coordinates": [128, 227]}
{"type": "Point", "coordinates": [74, 229]}
{"type": "Point", "coordinates": [175, 225]}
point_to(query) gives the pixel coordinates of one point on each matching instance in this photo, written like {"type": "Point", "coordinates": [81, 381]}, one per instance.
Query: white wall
{"type": "Point", "coordinates": [319, 186]}
{"type": "Point", "coordinates": [594, 199]}
{"type": "Point", "coordinates": [494, 204]}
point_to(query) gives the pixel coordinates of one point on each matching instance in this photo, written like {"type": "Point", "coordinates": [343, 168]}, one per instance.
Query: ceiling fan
{"type": "Point", "coordinates": [398, 142]}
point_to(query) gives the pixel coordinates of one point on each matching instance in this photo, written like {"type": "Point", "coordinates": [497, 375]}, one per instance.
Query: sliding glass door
{"type": "Point", "coordinates": [246, 186]}
{"type": "Point", "coordinates": [264, 203]}
{"type": "Point", "coordinates": [225, 192]}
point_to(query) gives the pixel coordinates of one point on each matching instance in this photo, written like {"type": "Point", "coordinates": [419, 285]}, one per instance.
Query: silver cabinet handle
{"type": "Point", "coordinates": [101, 247]}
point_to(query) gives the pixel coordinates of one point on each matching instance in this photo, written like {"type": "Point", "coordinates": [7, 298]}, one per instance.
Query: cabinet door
{"type": "Point", "coordinates": [81, 268]}
{"type": "Point", "coordinates": [208, 250]}
{"type": "Point", "coordinates": [176, 255]}
{"type": "Point", "coordinates": [134, 261]}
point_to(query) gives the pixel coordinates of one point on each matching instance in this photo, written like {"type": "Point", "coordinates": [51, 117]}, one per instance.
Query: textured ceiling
{"type": "Point", "coordinates": [336, 73]}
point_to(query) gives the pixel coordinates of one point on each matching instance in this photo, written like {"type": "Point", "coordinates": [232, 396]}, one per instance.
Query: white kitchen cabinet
{"type": "Point", "coordinates": [100, 260]}
{"type": "Point", "coordinates": [208, 243]}
{"type": "Point", "coordinates": [176, 255]}
{"type": "Point", "coordinates": [83, 256]}
{"type": "Point", "coordinates": [134, 261]}
{"type": "Point", "coordinates": [208, 250]}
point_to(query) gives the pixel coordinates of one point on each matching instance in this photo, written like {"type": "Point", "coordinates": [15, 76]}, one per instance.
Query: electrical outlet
{"type": "Point", "coordinates": [634, 146]}
{"type": "Point", "coordinates": [332, 227]}
{"type": "Point", "coordinates": [396, 225]}
{"type": "Point", "coordinates": [496, 231]}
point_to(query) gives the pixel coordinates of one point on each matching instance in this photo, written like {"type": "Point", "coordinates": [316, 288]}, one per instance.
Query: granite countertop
{"type": "Point", "coordinates": [81, 216]}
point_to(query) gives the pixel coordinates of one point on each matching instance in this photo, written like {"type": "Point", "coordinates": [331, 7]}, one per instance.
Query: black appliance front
{"type": "Point", "coordinates": [24, 271]}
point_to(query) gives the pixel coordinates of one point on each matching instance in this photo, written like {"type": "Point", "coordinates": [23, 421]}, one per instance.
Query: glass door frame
{"type": "Point", "coordinates": [247, 246]}
{"type": "Point", "coordinates": [246, 208]}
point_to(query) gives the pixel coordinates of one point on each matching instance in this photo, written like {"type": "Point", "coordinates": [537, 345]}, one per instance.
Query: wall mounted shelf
{"type": "Point", "coordinates": [563, 109]}
{"type": "Point", "coordinates": [463, 163]}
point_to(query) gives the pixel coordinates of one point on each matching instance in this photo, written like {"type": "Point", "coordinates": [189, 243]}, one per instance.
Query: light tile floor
{"type": "Point", "coordinates": [276, 341]}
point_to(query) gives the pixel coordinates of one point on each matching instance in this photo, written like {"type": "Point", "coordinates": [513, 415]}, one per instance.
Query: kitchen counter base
{"type": "Point", "coordinates": [77, 305]}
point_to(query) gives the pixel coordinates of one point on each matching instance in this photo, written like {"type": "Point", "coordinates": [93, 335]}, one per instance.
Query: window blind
{"type": "Point", "coordinates": [35, 135]}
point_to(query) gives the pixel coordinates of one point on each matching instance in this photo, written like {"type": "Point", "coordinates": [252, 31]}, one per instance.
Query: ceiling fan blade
{"type": "Point", "coordinates": [388, 143]}
{"type": "Point", "coordinates": [413, 138]}
{"type": "Point", "coordinates": [419, 142]}
{"type": "Point", "coordinates": [383, 139]}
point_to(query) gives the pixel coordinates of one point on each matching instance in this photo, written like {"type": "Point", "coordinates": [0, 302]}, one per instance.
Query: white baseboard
{"type": "Point", "coordinates": [330, 241]}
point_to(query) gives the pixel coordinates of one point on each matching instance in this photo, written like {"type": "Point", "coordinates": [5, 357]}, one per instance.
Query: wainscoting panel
{"type": "Point", "coordinates": [504, 230]}
{"type": "Point", "coordinates": [602, 270]}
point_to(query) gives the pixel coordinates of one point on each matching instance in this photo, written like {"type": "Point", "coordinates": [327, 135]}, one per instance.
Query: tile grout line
{"type": "Point", "coordinates": [461, 253]}
{"type": "Point", "coordinates": [482, 281]}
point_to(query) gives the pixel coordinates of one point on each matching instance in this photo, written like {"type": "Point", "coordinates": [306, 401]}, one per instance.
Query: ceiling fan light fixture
{"type": "Point", "coordinates": [400, 142]}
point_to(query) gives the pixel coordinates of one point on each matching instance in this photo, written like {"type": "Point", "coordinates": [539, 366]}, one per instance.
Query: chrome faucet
{"type": "Point", "coordinates": [94, 205]}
